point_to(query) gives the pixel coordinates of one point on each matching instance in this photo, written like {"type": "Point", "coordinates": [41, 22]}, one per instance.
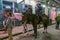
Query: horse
{"type": "Point", "coordinates": [30, 19]}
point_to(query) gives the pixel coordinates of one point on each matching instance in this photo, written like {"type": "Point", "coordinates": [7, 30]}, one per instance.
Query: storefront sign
{"type": "Point", "coordinates": [8, 7]}
{"type": "Point", "coordinates": [18, 16]}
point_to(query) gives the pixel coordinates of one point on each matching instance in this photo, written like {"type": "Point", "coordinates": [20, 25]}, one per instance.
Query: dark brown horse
{"type": "Point", "coordinates": [30, 19]}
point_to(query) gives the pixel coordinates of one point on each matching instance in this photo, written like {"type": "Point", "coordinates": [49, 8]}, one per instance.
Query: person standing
{"type": "Point", "coordinates": [57, 21]}
{"type": "Point", "coordinates": [9, 29]}
{"type": "Point", "coordinates": [9, 26]}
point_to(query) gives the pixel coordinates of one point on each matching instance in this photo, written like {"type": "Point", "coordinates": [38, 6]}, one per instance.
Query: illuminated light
{"type": "Point", "coordinates": [48, 2]}
{"type": "Point", "coordinates": [54, 8]}
{"type": "Point", "coordinates": [27, 1]}
{"type": "Point", "coordinates": [33, 3]}
{"type": "Point", "coordinates": [44, 6]}
{"type": "Point", "coordinates": [19, 1]}
{"type": "Point", "coordinates": [8, 7]}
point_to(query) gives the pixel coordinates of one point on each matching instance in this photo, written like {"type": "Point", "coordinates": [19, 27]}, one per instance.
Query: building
{"type": "Point", "coordinates": [7, 5]}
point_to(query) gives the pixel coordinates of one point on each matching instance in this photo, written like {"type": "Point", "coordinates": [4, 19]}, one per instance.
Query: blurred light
{"type": "Point", "coordinates": [27, 2]}
{"type": "Point", "coordinates": [53, 5]}
{"type": "Point", "coordinates": [54, 8]}
{"type": "Point", "coordinates": [48, 2]}
{"type": "Point", "coordinates": [8, 7]}
{"type": "Point", "coordinates": [48, 7]}
{"type": "Point", "coordinates": [33, 3]}
{"type": "Point", "coordinates": [19, 1]}
{"type": "Point", "coordinates": [44, 6]}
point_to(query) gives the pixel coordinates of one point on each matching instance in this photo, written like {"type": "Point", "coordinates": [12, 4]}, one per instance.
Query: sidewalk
{"type": "Point", "coordinates": [19, 29]}
{"type": "Point", "coordinates": [52, 34]}
{"type": "Point", "coordinates": [16, 30]}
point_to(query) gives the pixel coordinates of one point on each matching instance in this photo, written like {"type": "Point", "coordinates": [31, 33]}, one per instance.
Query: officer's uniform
{"type": "Point", "coordinates": [39, 12]}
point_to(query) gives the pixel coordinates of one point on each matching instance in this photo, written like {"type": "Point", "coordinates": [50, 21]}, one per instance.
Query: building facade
{"type": "Point", "coordinates": [7, 5]}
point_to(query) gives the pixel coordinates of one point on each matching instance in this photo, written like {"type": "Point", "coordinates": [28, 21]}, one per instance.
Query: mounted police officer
{"type": "Point", "coordinates": [39, 11]}
{"type": "Point", "coordinates": [9, 25]}
{"type": "Point", "coordinates": [31, 19]}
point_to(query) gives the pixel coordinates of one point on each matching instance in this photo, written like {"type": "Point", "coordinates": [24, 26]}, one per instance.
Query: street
{"type": "Point", "coordinates": [20, 19]}
{"type": "Point", "coordinates": [52, 34]}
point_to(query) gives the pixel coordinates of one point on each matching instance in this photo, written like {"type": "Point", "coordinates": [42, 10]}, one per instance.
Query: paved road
{"type": "Point", "coordinates": [52, 34]}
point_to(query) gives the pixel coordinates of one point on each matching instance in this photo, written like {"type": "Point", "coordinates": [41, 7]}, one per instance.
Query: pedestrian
{"type": "Point", "coordinates": [45, 21]}
{"type": "Point", "coordinates": [9, 26]}
{"type": "Point", "coordinates": [57, 21]}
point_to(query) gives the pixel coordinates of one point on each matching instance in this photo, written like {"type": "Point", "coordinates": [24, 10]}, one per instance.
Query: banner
{"type": "Point", "coordinates": [18, 16]}
{"type": "Point", "coordinates": [53, 15]}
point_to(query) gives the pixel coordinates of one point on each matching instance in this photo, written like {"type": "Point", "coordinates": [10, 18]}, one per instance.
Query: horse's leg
{"type": "Point", "coordinates": [45, 27]}
{"type": "Point", "coordinates": [35, 30]}
{"type": "Point", "coordinates": [38, 26]}
{"type": "Point", "coordinates": [40, 22]}
{"type": "Point", "coordinates": [25, 26]}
